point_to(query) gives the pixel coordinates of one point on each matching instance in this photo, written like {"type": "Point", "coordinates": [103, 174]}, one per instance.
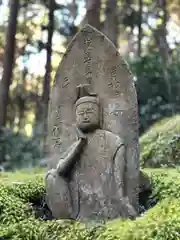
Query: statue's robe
{"type": "Point", "coordinates": [96, 183]}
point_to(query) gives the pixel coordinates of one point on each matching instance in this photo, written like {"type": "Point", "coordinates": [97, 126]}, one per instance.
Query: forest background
{"type": "Point", "coordinates": [34, 35]}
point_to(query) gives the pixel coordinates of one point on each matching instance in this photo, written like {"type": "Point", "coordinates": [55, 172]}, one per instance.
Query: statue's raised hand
{"type": "Point", "coordinates": [81, 135]}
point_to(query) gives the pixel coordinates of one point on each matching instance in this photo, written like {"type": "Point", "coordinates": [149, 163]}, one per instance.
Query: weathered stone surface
{"type": "Point", "coordinates": [108, 154]}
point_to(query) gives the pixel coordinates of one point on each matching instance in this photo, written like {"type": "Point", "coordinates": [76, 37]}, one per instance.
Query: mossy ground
{"type": "Point", "coordinates": [160, 145]}
{"type": "Point", "coordinates": [21, 190]}
{"type": "Point", "coordinates": [22, 211]}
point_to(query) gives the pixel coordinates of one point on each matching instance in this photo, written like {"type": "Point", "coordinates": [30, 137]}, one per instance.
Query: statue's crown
{"type": "Point", "coordinates": [84, 95]}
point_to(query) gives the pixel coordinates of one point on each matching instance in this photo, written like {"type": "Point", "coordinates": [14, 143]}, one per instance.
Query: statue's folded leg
{"type": "Point", "coordinates": [127, 210]}
{"type": "Point", "coordinates": [57, 195]}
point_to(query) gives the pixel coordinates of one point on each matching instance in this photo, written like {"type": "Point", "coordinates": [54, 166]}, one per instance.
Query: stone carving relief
{"type": "Point", "coordinates": [93, 133]}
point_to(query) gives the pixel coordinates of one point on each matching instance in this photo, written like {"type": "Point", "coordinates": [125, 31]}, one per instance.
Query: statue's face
{"type": "Point", "coordinates": [87, 116]}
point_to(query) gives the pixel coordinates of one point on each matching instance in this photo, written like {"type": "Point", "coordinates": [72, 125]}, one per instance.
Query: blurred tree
{"type": "Point", "coordinates": [93, 13]}
{"type": "Point", "coordinates": [65, 20]}
{"type": "Point", "coordinates": [47, 77]}
{"type": "Point", "coordinates": [161, 31]}
{"type": "Point", "coordinates": [174, 10]}
{"type": "Point", "coordinates": [111, 20]}
{"type": "Point", "coordinates": [161, 39]}
{"type": "Point", "coordinates": [153, 98]}
{"type": "Point", "coordinates": [20, 93]}
{"type": "Point", "coordinates": [8, 61]}
{"type": "Point", "coordinates": [140, 28]}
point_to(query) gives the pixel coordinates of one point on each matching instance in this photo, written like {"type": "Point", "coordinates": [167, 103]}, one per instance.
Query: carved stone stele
{"type": "Point", "coordinates": [93, 92]}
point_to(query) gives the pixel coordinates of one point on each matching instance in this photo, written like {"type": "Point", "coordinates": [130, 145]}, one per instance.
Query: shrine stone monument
{"type": "Point", "coordinates": [93, 133]}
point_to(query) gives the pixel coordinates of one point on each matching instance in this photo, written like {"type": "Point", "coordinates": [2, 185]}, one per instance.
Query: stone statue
{"type": "Point", "coordinates": [93, 137]}
{"type": "Point", "coordinates": [99, 155]}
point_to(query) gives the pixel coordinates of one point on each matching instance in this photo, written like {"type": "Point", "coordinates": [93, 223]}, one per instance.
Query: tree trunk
{"type": "Point", "coordinates": [125, 10]}
{"type": "Point", "coordinates": [22, 101]}
{"type": "Point", "coordinates": [47, 77]}
{"type": "Point", "coordinates": [111, 22]}
{"type": "Point", "coordinates": [162, 31]}
{"type": "Point", "coordinates": [164, 47]}
{"type": "Point", "coordinates": [140, 28]}
{"type": "Point", "coordinates": [93, 13]}
{"type": "Point", "coordinates": [8, 61]}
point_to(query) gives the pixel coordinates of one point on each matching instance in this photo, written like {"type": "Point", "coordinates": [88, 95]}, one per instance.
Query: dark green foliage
{"type": "Point", "coordinates": [17, 197]}
{"type": "Point", "coordinates": [12, 209]}
{"type": "Point", "coordinates": [19, 150]}
{"type": "Point", "coordinates": [166, 183]}
{"type": "Point", "coordinates": [30, 191]}
{"type": "Point", "coordinates": [18, 221]}
{"type": "Point", "coordinates": [160, 223]}
{"type": "Point", "coordinates": [160, 145]}
{"type": "Point", "coordinates": [157, 88]}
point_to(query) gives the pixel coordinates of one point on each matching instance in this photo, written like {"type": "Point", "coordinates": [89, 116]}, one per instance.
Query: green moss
{"type": "Point", "coordinates": [160, 146]}
{"type": "Point", "coordinates": [34, 229]}
{"type": "Point", "coordinates": [27, 186]}
{"type": "Point", "coordinates": [165, 183]}
{"type": "Point", "coordinates": [18, 221]}
{"type": "Point", "coordinates": [161, 222]}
